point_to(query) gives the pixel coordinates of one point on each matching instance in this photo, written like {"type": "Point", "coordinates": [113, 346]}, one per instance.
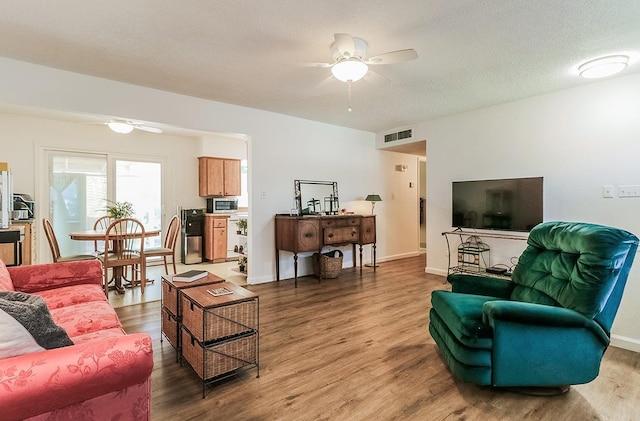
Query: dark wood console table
{"type": "Point", "coordinates": [313, 232]}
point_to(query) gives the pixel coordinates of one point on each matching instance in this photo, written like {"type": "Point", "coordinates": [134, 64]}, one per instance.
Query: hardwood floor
{"type": "Point", "coordinates": [358, 348]}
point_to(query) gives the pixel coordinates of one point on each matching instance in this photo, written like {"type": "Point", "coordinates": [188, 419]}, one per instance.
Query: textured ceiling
{"type": "Point", "coordinates": [472, 53]}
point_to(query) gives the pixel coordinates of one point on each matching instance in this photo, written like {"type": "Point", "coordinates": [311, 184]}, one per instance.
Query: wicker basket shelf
{"type": "Point", "coordinates": [217, 323]}
{"type": "Point", "coordinates": [170, 328]}
{"type": "Point", "coordinates": [219, 358]}
{"type": "Point", "coordinates": [219, 334]}
{"type": "Point", "coordinates": [172, 306]}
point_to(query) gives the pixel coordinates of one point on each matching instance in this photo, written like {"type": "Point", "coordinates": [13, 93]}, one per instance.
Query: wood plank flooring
{"type": "Point", "coordinates": [358, 348]}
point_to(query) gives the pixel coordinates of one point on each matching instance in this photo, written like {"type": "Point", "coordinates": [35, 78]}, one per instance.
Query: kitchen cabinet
{"type": "Point", "coordinates": [215, 237]}
{"type": "Point", "coordinates": [218, 176]}
{"type": "Point", "coordinates": [27, 244]}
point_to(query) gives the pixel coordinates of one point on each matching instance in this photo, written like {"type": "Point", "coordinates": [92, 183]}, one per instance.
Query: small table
{"type": "Point", "coordinates": [219, 334]}
{"type": "Point", "coordinates": [98, 235]}
{"type": "Point", "coordinates": [171, 306]}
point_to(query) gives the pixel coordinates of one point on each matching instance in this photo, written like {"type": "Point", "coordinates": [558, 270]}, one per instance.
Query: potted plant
{"type": "Point", "coordinates": [242, 263]}
{"type": "Point", "coordinates": [242, 226]}
{"type": "Point", "coordinates": [117, 210]}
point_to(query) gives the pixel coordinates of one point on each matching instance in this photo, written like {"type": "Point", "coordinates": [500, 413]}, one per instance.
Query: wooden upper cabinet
{"type": "Point", "coordinates": [232, 177]}
{"type": "Point", "coordinates": [218, 176]}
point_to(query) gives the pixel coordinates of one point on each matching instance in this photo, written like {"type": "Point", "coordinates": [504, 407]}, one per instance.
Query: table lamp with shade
{"type": "Point", "coordinates": [373, 198]}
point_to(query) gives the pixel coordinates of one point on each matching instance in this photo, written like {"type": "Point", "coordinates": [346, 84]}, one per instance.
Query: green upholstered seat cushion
{"type": "Point", "coordinates": [462, 314]}
{"type": "Point", "coordinates": [573, 265]}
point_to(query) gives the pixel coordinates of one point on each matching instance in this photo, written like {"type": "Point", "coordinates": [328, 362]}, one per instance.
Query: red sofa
{"type": "Point", "coordinates": [105, 374]}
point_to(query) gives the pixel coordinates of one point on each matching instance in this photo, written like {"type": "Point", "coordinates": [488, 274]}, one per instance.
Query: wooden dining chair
{"type": "Point", "coordinates": [126, 236]}
{"type": "Point", "coordinates": [55, 249]}
{"type": "Point", "coordinates": [101, 224]}
{"type": "Point", "coordinates": [169, 247]}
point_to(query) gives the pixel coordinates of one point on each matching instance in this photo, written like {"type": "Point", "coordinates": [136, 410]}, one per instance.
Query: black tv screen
{"type": "Point", "coordinates": [513, 204]}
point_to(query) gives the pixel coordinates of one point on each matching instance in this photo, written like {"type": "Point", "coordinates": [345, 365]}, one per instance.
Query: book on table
{"type": "Point", "coordinates": [190, 275]}
{"type": "Point", "coordinates": [220, 291]}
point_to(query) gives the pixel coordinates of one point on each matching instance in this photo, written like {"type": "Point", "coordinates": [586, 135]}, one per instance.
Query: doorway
{"type": "Point", "coordinates": [422, 188]}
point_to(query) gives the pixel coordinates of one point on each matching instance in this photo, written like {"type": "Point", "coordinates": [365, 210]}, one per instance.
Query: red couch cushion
{"type": "Point", "coordinates": [5, 279]}
{"type": "Point", "coordinates": [80, 319]}
{"type": "Point", "coordinates": [76, 294]}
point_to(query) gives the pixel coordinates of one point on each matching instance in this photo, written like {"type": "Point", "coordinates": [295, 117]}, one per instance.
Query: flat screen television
{"type": "Point", "coordinates": [512, 204]}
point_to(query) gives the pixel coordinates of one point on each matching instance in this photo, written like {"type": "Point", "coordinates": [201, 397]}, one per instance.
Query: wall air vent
{"type": "Point", "coordinates": [402, 135]}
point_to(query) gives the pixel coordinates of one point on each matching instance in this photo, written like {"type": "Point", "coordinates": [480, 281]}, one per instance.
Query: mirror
{"type": "Point", "coordinates": [316, 197]}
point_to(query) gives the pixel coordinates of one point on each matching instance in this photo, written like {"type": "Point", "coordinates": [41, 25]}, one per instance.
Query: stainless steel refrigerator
{"type": "Point", "coordinates": [192, 234]}
{"type": "Point", "coordinates": [6, 198]}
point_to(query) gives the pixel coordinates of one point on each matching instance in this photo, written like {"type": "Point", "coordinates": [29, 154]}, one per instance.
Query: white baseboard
{"type": "Point", "coordinates": [261, 280]}
{"type": "Point", "coordinates": [397, 256]}
{"type": "Point", "coordinates": [625, 342]}
{"type": "Point", "coordinates": [435, 271]}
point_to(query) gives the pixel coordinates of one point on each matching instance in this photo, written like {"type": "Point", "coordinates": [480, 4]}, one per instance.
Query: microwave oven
{"type": "Point", "coordinates": [222, 205]}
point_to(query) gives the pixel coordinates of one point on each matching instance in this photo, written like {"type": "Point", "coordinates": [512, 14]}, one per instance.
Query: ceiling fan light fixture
{"type": "Point", "coordinates": [120, 127]}
{"type": "Point", "coordinates": [603, 66]}
{"type": "Point", "coordinates": [351, 69]}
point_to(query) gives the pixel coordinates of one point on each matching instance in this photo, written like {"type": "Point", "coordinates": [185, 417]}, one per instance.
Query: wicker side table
{"type": "Point", "coordinates": [171, 306]}
{"type": "Point", "coordinates": [220, 334]}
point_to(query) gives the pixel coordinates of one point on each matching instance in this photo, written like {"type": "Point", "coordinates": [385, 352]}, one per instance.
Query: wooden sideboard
{"type": "Point", "coordinates": [311, 233]}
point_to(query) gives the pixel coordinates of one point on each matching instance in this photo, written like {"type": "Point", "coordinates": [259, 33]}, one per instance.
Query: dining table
{"type": "Point", "coordinates": [99, 235]}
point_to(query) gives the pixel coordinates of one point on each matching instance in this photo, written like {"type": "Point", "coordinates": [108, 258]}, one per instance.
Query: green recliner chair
{"type": "Point", "coordinates": [550, 324]}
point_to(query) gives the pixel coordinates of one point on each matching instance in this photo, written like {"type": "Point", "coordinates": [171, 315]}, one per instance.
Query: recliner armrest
{"type": "Point", "coordinates": [481, 285]}
{"type": "Point", "coordinates": [539, 315]}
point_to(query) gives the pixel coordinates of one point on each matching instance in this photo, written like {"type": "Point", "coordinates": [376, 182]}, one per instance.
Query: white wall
{"type": "Point", "coordinates": [223, 146]}
{"type": "Point", "coordinates": [578, 140]}
{"type": "Point", "coordinates": [280, 149]}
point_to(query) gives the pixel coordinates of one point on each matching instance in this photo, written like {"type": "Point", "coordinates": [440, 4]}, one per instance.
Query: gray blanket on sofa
{"type": "Point", "coordinates": [32, 312]}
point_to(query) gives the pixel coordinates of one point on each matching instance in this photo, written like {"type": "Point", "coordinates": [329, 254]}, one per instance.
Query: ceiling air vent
{"type": "Point", "coordinates": [402, 135]}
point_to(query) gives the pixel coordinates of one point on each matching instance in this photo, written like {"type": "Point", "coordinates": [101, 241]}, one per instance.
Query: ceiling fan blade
{"type": "Point", "coordinates": [312, 64]}
{"type": "Point", "coordinates": [148, 129]}
{"type": "Point", "coordinates": [345, 44]}
{"type": "Point", "coordinates": [394, 57]}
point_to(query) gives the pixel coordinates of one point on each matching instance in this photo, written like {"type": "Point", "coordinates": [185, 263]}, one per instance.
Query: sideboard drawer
{"type": "Point", "coordinates": [329, 222]}
{"type": "Point", "coordinates": [341, 235]}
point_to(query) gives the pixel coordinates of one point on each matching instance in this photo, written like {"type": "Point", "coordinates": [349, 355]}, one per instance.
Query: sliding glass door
{"type": "Point", "coordinates": [140, 184]}
{"type": "Point", "coordinates": [77, 196]}
{"type": "Point", "coordinates": [80, 185]}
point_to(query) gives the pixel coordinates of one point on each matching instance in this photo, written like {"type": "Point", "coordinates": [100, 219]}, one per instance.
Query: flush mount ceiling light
{"type": "Point", "coordinates": [351, 69]}
{"type": "Point", "coordinates": [603, 66]}
{"type": "Point", "coordinates": [120, 127]}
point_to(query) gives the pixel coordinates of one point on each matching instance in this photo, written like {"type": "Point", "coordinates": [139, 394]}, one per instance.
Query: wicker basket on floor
{"type": "Point", "coordinates": [327, 265]}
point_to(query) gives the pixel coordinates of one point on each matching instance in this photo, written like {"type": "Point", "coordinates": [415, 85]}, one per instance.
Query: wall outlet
{"type": "Point", "coordinates": [607, 191]}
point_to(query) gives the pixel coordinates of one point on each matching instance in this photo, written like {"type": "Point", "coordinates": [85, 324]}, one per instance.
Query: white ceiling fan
{"type": "Point", "coordinates": [127, 126]}
{"type": "Point", "coordinates": [350, 62]}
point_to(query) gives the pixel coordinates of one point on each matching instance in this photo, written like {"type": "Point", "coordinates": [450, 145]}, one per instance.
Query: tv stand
{"type": "Point", "coordinates": [473, 254]}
